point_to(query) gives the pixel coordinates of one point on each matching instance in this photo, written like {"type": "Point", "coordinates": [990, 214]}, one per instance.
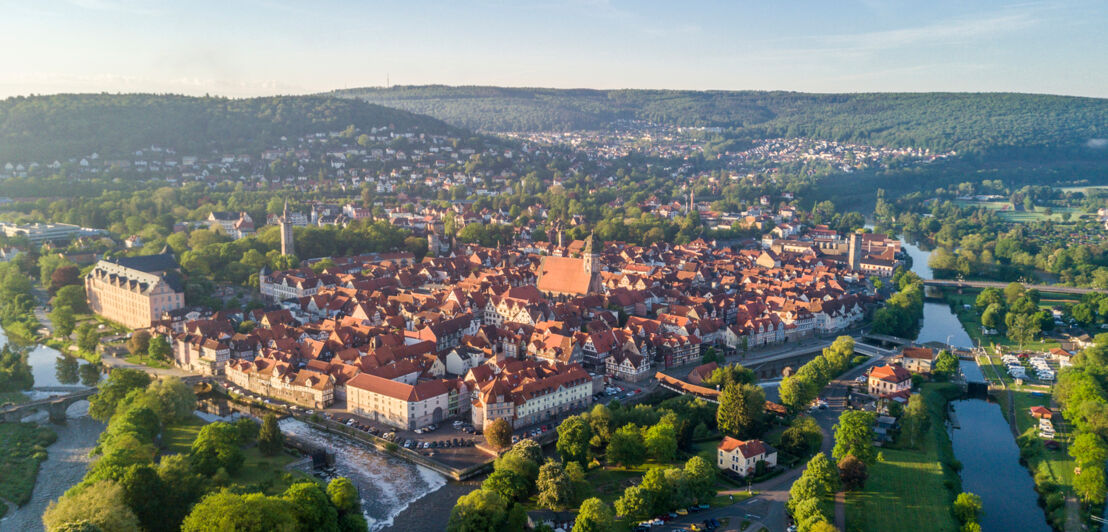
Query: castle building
{"type": "Point", "coordinates": [135, 291]}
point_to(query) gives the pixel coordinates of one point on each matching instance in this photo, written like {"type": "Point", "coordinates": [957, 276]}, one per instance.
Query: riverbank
{"type": "Point", "coordinates": [912, 489]}
{"type": "Point", "coordinates": [971, 321]}
{"type": "Point", "coordinates": [67, 461]}
{"type": "Point", "coordinates": [22, 451]}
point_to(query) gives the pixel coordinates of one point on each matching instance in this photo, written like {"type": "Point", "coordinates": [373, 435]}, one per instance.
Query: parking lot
{"type": "Point", "coordinates": [702, 518]}
{"type": "Point", "coordinates": [453, 445]}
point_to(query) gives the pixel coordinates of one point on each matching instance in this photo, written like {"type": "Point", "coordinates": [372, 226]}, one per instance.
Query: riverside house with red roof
{"type": "Point", "coordinates": [742, 457]}
{"type": "Point", "coordinates": [887, 381]}
{"type": "Point", "coordinates": [280, 380]}
{"type": "Point", "coordinates": [917, 359]}
{"type": "Point", "coordinates": [397, 404]}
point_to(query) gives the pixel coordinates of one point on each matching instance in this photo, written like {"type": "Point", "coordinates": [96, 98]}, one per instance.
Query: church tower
{"type": "Point", "coordinates": [591, 259]}
{"type": "Point", "coordinates": [854, 252]}
{"type": "Point", "coordinates": [287, 246]}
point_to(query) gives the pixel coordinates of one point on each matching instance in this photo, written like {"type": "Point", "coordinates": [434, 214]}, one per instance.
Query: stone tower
{"type": "Point", "coordinates": [854, 252]}
{"type": "Point", "coordinates": [287, 245]}
{"type": "Point", "coordinates": [591, 259]}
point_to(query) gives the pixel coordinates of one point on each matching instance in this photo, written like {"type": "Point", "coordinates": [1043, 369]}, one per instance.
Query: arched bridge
{"type": "Point", "coordinates": [54, 406]}
{"type": "Point", "coordinates": [872, 350]}
{"type": "Point", "coordinates": [1054, 289]}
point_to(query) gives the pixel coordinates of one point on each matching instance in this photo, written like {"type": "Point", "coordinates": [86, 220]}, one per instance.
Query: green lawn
{"type": "Point", "coordinates": [1006, 212]}
{"type": "Point", "coordinates": [13, 397]}
{"type": "Point", "coordinates": [22, 449]}
{"type": "Point", "coordinates": [906, 491]}
{"type": "Point", "coordinates": [972, 322]}
{"type": "Point", "coordinates": [177, 439]}
{"type": "Point", "coordinates": [258, 473]}
{"type": "Point", "coordinates": [147, 361]}
{"type": "Point", "coordinates": [1024, 400]}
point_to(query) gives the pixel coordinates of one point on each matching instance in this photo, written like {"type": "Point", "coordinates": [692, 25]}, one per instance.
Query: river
{"type": "Point", "coordinates": [68, 457]}
{"type": "Point", "coordinates": [983, 443]}
{"type": "Point", "coordinates": [387, 484]}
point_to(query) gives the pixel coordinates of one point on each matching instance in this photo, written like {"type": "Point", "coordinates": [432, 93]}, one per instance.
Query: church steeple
{"type": "Point", "coordinates": [591, 260]}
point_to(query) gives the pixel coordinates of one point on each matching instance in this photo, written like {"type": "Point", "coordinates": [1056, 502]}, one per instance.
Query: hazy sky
{"type": "Point", "coordinates": [258, 47]}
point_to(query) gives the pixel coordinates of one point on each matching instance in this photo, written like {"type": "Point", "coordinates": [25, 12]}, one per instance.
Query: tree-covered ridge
{"type": "Point", "coordinates": [961, 121]}
{"type": "Point", "coordinates": [44, 128]}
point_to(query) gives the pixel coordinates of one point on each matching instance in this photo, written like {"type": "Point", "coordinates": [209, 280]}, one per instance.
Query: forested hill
{"type": "Point", "coordinates": [41, 128]}
{"type": "Point", "coordinates": [962, 121]}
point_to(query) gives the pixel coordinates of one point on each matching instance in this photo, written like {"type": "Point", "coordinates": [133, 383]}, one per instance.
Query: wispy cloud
{"type": "Point", "coordinates": [955, 31]}
{"type": "Point", "coordinates": [117, 6]}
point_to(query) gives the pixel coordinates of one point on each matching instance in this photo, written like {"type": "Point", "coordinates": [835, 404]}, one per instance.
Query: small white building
{"type": "Point", "coordinates": [742, 457]}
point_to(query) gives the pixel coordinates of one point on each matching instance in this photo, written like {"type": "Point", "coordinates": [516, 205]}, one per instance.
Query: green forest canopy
{"type": "Point", "coordinates": [44, 128]}
{"type": "Point", "coordinates": [940, 121]}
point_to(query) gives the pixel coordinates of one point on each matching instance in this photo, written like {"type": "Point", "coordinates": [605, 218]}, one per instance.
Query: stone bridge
{"type": "Point", "coordinates": [884, 338]}
{"type": "Point", "coordinates": [773, 368]}
{"type": "Point", "coordinates": [54, 406]}
{"type": "Point", "coordinates": [1054, 289]}
{"type": "Point", "coordinates": [873, 351]}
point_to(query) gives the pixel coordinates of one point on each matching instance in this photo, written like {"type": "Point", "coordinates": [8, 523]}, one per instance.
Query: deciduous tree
{"type": "Point", "coordinates": [854, 435]}
{"type": "Point", "coordinates": [573, 439]}
{"type": "Point", "coordinates": [595, 516]}
{"type": "Point", "coordinates": [852, 473]}
{"type": "Point", "coordinates": [554, 486]}
{"type": "Point", "coordinates": [498, 434]}
{"type": "Point", "coordinates": [270, 439]}
{"type": "Point", "coordinates": [626, 446]}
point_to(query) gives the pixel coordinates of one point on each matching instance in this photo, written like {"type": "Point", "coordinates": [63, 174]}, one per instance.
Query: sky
{"type": "Point", "coordinates": [263, 47]}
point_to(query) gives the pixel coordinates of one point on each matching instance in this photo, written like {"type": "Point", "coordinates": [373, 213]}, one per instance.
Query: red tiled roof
{"type": "Point", "coordinates": [748, 448]}
{"type": "Point", "coordinates": [565, 275]}
{"type": "Point", "coordinates": [890, 373]}
{"type": "Point", "coordinates": [398, 390]}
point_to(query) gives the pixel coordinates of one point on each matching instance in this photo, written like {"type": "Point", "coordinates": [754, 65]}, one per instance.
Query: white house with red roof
{"type": "Point", "coordinates": [742, 457]}
{"type": "Point", "coordinates": [890, 380]}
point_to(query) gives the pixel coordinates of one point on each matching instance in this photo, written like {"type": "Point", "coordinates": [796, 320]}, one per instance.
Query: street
{"type": "Point", "coordinates": [769, 504]}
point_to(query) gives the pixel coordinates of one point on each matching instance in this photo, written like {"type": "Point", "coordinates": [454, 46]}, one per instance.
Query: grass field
{"type": "Point", "coordinates": [22, 449]}
{"type": "Point", "coordinates": [148, 361]}
{"type": "Point", "coordinates": [13, 398]}
{"type": "Point", "coordinates": [1005, 211]}
{"type": "Point", "coordinates": [258, 473]}
{"type": "Point", "coordinates": [907, 490]}
{"type": "Point", "coordinates": [177, 439]}
{"type": "Point", "coordinates": [1024, 400]}
{"type": "Point", "coordinates": [972, 322]}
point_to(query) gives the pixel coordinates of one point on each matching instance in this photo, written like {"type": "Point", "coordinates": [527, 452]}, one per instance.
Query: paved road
{"type": "Point", "coordinates": [116, 362]}
{"type": "Point", "coordinates": [769, 505]}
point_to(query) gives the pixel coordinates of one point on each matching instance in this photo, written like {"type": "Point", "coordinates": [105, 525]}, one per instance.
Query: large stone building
{"type": "Point", "coordinates": [135, 291]}
{"type": "Point", "coordinates": [570, 276]}
{"type": "Point", "coordinates": [397, 404]}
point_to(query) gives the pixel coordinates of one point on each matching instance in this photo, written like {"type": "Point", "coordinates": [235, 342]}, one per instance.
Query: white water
{"type": "Point", "coordinates": [387, 485]}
